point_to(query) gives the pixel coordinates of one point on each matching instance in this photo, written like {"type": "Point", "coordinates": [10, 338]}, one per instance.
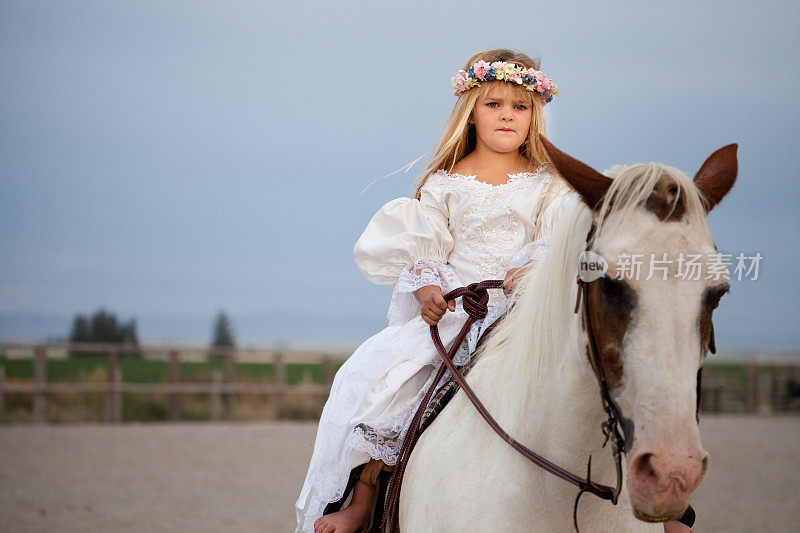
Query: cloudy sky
{"type": "Point", "coordinates": [167, 159]}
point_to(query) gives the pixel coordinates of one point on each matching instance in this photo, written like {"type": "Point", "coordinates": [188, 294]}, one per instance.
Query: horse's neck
{"type": "Point", "coordinates": [562, 410]}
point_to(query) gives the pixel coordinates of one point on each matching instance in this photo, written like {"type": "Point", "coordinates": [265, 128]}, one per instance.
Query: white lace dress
{"type": "Point", "coordinates": [460, 231]}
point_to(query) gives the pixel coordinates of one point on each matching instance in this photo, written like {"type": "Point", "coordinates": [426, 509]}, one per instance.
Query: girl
{"type": "Point", "coordinates": [482, 209]}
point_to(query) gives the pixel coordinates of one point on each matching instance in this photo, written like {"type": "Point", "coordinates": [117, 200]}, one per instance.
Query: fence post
{"type": "Point", "coordinates": [116, 393]}
{"type": "Point", "coordinates": [111, 373]}
{"type": "Point", "coordinates": [174, 379]}
{"type": "Point", "coordinates": [230, 378]}
{"type": "Point", "coordinates": [779, 384]}
{"type": "Point", "coordinates": [705, 380]}
{"type": "Point", "coordinates": [765, 392]}
{"type": "Point", "coordinates": [752, 373]}
{"type": "Point", "coordinates": [2, 393]}
{"type": "Point", "coordinates": [718, 387]}
{"type": "Point", "coordinates": [40, 384]}
{"type": "Point", "coordinates": [785, 385]}
{"type": "Point", "coordinates": [280, 384]}
{"type": "Point", "coordinates": [216, 382]}
{"type": "Point", "coordinates": [327, 372]}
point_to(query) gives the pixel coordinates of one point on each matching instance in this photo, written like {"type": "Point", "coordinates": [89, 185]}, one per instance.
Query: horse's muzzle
{"type": "Point", "coordinates": [660, 488]}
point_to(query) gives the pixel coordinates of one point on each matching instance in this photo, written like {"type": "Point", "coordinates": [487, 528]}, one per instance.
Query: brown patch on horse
{"type": "Point", "coordinates": [589, 183]}
{"type": "Point", "coordinates": [718, 174]}
{"type": "Point", "coordinates": [612, 305]}
{"type": "Point", "coordinates": [665, 201]}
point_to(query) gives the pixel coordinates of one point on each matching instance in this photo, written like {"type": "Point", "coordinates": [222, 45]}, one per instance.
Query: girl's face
{"type": "Point", "coordinates": [502, 119]}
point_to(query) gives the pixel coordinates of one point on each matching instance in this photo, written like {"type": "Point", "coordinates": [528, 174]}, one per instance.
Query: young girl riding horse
{"type": "Point", "coordinates": [483, 208]}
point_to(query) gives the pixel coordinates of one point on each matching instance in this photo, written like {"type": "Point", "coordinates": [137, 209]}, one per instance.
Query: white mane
{"type": "Point", "coordinates": [632, 185]}
{"type": "Point", "coordinates": [540, 316]}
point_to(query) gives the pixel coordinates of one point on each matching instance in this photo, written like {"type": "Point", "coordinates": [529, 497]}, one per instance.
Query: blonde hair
{"type": "Point", "coordinates": [458, 138]}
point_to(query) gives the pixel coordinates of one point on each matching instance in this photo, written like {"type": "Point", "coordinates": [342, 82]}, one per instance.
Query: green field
{"type": "Point", "coordinates": [151, 371]}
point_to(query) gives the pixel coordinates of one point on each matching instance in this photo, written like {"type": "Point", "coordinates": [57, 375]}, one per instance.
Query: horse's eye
{"type": "Point", "coordinates": [616, 293]}
{"type": "Point", "coordinates": [611, 287]}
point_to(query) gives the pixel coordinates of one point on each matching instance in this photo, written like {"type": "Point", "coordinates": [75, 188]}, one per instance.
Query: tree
{"type": "Point", "coordinates": [103, 327]}
{"type": "Point", "coordinates": [81, 332]}
{"type": "Point", "coordinates": [128, 333]}
{"type": "Point", "coordinates": [222, 335]}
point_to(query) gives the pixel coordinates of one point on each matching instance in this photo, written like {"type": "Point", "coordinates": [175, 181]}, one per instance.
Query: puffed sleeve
{"type": "Point", "coordinates": [403, 232]}
{"type": "Point", "coordinates": [406, 245]}
{"type": "Point", "coordinates": [562, 202]}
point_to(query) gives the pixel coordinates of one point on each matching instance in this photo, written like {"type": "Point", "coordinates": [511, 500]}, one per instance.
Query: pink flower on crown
{"type": "Point", "coordinates": [533, 72]}
{"type": "Point", "coordinates": [480, 68]}
{"type": "Point", "coordinates": [460, 81]}
{"type": "Point", "coordinates": [543, 85]}
{"type": "Point", "coordinates": [516, 78]}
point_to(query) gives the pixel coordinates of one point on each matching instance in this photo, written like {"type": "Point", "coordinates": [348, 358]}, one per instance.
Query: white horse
{"type": "Point", "coordinates": [534, 376]}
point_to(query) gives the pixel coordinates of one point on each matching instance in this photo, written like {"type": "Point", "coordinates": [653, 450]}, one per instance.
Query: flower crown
{"type": "Point", "coordinates": [532, 79]}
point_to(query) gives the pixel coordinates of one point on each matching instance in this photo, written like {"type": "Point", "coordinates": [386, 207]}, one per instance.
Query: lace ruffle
{"type": "Point", "coordinates": [404, 305]}
{"type": "Point", "coordinates": [378, 445]}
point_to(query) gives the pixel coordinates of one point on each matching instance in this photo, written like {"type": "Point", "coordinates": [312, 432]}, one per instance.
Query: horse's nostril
{"type": "Point", "coordinates": [644, 472]}
{"type": "Point", "coordinates": [648, 464]}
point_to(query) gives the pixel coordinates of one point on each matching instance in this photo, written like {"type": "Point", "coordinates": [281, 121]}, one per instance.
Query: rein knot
{"type": "Point", "coordinates": [474, 301]}
{"type": "Point", "coordinates": [475, 297]}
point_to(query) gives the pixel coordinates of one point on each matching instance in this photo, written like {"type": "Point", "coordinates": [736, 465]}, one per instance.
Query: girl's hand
{"type": "Point", "coordinates": [431, 298]}
{"type": "Point", "coordinates": [513, 276]}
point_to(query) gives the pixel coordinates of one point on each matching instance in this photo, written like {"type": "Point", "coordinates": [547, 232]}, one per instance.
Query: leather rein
{"type": "Point", "coordinates": [475, 299]}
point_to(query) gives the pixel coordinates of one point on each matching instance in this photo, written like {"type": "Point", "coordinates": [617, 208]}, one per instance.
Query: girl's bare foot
{"type": "Point", "coordinates": [353, 518]}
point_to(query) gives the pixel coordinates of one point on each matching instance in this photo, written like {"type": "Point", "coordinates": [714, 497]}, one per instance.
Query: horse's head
{"type": "Point", "coordinates": [652, 327]}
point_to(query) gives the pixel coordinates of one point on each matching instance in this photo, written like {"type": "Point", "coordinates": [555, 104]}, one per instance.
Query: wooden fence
{"type": "Point", "coordinates": [223, 388]}
{"type": "Point", "coordinates": [766, 387]}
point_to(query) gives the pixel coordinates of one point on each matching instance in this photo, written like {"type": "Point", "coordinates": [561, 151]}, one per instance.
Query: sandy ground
{"type": "Point", "coordinates": [245, 477]}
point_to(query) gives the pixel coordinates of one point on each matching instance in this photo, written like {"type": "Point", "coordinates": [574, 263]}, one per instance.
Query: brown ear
{"type": "Point", "coordinates": [717, 175]}
{"type": "Point", "coordinates": [589, 183]}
